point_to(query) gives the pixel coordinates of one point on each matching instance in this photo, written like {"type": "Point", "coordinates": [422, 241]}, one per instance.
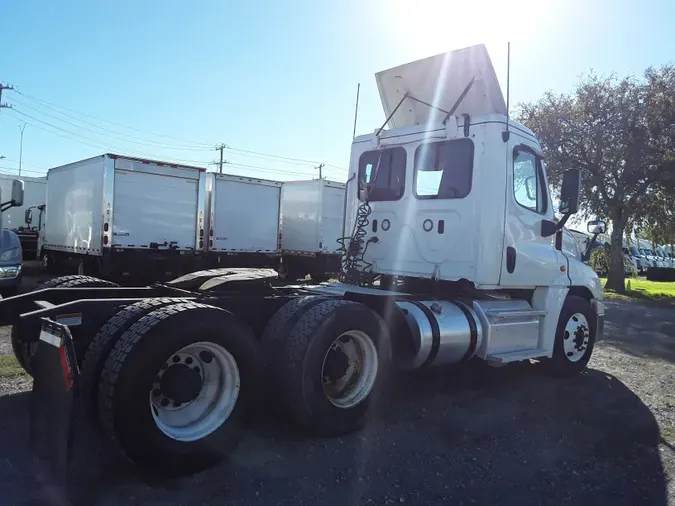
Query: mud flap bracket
{"type": "Point", "coordinates": [55, 380]}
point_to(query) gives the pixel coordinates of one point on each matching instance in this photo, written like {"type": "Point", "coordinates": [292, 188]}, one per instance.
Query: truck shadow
{"type": "Point", "coordinates": [464, 435]}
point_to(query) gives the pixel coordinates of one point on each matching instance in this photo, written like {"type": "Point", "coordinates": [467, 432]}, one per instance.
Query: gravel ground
{"type": "Point", "coordinates": [468, 435]}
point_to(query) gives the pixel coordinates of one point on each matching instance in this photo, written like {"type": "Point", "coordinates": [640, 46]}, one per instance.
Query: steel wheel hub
{"type": "Point", "coordinates": [349, 369]}
{"type": "Point", "coordinates": [575, 337]}
{"type": "Point", "coordinates": [195, 391]}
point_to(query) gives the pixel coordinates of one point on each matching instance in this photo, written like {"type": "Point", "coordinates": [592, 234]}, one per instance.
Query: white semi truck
{"type": "Point", "coordinates": [173, 371]}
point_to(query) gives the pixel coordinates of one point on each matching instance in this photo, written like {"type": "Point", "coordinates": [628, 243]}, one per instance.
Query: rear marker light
{"type": "Point", "coordinates": [105, 239]}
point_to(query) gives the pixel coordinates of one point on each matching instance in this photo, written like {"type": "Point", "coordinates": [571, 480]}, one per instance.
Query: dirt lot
{"type": "Point", "coordinates": [460, 436]}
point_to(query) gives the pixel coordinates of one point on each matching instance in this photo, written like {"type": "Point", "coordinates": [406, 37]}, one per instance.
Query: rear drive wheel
{"type": "Point", "coordinates": [274, 338]}
{"type": "Point", "coordinates": [104, 341]}
{"type": "Point", "coordinates": [178, 386]}
{"type": "Point", "coordinates": [23, 351]}
{"type": "Point", "coordinates": [338, 359]}
{"type": "Point", "coordinates": [575, 338]}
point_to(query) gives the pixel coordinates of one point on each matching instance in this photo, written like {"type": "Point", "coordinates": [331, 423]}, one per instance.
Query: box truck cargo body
{"type": "Point", "coordinates": [15, 218]}
{"type": "Point", "coordinates": [242, 220]}
{"type": "Point", "coordinates": [311, 224]}
{"type": "Point", "coordinates": [122, 216]}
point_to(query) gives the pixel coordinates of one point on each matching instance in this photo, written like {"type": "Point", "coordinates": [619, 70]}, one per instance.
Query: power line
{"type": "Point", "coordinates": [47, 103]}
{"type": "Point", "coordinates": [100, 144]}
{"type": "Point", "coordinates": [117, 135]}
{"type": "Point", "coordinates": [202, 146]}
{"type": "Point", "coordinates": [267, 169]}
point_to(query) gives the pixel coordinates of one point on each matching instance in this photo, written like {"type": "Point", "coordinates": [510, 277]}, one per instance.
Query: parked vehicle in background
{"type": "Point", "coordinates": [312, 214]}
{"type": "Point", "coordinates": [124, 218]}
{"type": "Point", "coordinates": [664, 256]}
{"type": "Point", "coordinates": [242, 220]}
{"type": "Point", "coordinates": [17, 218]}
{"type": "Point", "coordinates": [11, 258]}
{"type": "Point", "coordinates": [638, 258]}
{"type": "Point", "coordinates": [645, 248]}
{"type": "Point", "coordinates": [633, 255]}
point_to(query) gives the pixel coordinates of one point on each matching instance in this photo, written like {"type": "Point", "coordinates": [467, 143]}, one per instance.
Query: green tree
{"type": "Point", "coordinates": [621, 134]}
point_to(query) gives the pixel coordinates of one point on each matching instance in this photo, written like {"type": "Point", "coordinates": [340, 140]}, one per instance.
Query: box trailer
{"type": "Point", "coordinates": [242, 217]}
{"type": "Point", "coordinates": [15, 218]}
{"type": "Point", "coordinates": [123, 217]}
{"type": "Point", "coordinates": [311, 224]}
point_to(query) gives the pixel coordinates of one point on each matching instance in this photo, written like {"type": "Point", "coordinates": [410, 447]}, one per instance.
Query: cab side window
{"type": "Point", "coordinates": [528, 181]}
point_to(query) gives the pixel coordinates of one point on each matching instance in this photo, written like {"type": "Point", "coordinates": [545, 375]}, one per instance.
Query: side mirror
{"type": "Point", "coordinates": [28, 216]}
{"type": "Point", "coordinates": [17, 193]}
{"type": "Point", "coordinates": [596, 227]}
{"type": "Point", "coordinates": [570, 192]}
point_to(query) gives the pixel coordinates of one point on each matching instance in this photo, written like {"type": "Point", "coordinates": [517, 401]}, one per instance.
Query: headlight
{"type": "Point", "coordinates": [10, 254]}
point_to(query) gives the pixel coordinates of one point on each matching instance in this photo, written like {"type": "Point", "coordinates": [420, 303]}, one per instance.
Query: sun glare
{"type": "Point", "coordinates": [429, 27]}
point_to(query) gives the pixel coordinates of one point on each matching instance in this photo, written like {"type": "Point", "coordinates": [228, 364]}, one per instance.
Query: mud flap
{"type": "Point", "coordinates": [52, 410]}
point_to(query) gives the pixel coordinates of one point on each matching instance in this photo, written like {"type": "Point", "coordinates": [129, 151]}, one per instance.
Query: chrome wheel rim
{"type": "Point", "coordinates": [195, 391]}
{"type": "Point", "coordinates": [349, 369]}
{"type": "Point", "coordinates": [575, 337]}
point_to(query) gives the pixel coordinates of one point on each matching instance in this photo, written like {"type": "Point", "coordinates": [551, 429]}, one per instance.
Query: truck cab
{"type": "Point", "coordinates": [10, 247]}
{"type": "Point", "coordinates": [454, 197]}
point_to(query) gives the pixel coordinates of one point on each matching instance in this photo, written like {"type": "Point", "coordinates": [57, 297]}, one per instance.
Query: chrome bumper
{"type": "Point", "coordinates": [10, 272]}
{"type": "Point", "coordinates": [599, 310]}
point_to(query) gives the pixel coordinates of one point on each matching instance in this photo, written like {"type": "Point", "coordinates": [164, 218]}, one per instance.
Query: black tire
{"type": "Point", "coordinates": [274, 338]}
{"type": "Point", "coordinates": [77, 281]}
{"type": "Point", "coordinates": [129, 373]}
{"type": "Point", "coordinates": [23, 351]}
{"type": "Point", "coordinates": [559, 364]}
{"type": "Point", "coordinates": [307, 345]}
{"type": "Point", "coordinates": [103, 342]}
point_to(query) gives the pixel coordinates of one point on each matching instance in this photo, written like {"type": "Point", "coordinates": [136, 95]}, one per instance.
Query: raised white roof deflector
{"type": "Point", "coordinates": [440, 80]}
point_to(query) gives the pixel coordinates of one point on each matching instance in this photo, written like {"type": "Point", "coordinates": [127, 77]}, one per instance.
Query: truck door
{"type": "Point", "coordinates": [529, 259]}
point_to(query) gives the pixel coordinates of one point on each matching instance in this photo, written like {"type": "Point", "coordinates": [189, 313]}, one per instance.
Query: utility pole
{"type": "Point", "coordinates": [320, 167]}
{"type": "Point", "coordinates": [22, 128]}
{"type": "Point", "coordinates": [220, 148]}
{"type": "Point", "coordinates": [4, 105]}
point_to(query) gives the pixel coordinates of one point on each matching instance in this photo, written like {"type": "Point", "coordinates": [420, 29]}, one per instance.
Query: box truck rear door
{"type": "Point", "coordinates": [153, 208]}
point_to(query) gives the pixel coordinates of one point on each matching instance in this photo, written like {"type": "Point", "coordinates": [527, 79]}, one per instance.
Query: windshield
{"type": "Point", "coordinates": [634, 251]}
{"type": "Point", "coordinates": [647, 252]}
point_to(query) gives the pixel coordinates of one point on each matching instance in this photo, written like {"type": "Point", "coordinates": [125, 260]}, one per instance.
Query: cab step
{"type": "Point", "coordinates": [515, 356]}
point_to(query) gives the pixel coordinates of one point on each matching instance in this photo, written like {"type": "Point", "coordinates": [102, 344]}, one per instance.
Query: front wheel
{"type": "Point", "coordinates": [575, 337]}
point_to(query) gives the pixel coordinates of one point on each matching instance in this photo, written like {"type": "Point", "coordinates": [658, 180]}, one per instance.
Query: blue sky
{"type": "Point", "coordinates": [276, 77]}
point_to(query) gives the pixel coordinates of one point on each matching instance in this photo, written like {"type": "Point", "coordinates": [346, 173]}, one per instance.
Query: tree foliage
{"type": "Point", "coordinates": [621, 134]}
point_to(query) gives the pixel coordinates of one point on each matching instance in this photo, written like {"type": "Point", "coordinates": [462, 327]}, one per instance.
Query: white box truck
{"type": "Point", "coordinates": [19, 218]}
{"type": "Point", "coordinates": [124, 218]}
{"type": "Point", "coordinates": [312, 216]}
{"type": "Point", "coordinates": [242, 217]}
